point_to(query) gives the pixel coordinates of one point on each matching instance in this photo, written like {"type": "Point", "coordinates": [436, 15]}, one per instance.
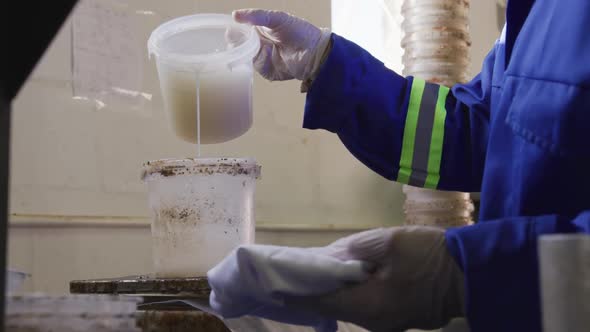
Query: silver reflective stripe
{"type": "Point", "coordinates": [424, 135]}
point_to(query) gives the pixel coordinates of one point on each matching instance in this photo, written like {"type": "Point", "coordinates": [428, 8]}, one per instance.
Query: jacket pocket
{"type": "Point", "coordinates": [552, 115]}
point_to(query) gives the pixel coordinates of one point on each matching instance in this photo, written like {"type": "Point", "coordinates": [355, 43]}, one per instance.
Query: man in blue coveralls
{"type": "Point", "coordinates": [517, 132]}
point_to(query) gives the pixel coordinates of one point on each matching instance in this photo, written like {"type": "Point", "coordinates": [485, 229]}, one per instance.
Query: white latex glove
{"type": "Point", "coordinates": [256, 279]}
{"type": "Point", "coordinates": [416, 282]}
{"type": "Point", "coordinates": [290, 47]}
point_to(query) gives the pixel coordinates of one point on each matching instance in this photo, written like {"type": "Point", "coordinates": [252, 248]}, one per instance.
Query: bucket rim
{"type": "Point", "coordinates": [204, 166]}
{"type": "Point", "coordinates": [246, 51]}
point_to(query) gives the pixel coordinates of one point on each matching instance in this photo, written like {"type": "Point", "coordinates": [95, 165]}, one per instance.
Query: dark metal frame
{"type": "Point", "coordinates": [4, 181]}
{"type": "Point", "coordinates": [26, 29]}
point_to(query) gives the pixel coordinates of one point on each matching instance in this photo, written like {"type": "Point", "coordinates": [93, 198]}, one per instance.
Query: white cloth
{"type": "Point", "coordinates": [255, 280]}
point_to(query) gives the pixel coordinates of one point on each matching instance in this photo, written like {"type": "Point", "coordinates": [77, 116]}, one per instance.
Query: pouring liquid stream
{"type": "Point", "coordinates": [198, 117]}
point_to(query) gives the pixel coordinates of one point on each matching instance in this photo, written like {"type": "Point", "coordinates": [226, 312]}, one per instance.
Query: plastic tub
{"type": "Point", "coordinates": [72, 313]}
{"type": "Point", "coordinates": [202, 209]}
{"type": "Point", "coordinates": [205, 65]}
{"type": "Point", "coordinates": [15, 280]}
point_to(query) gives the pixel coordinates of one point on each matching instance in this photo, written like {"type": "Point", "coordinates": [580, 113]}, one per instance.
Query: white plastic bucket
{"type": "Point", "coordinates": [205, 60]}
{"type": "Point", "coordinates": [202, 209]}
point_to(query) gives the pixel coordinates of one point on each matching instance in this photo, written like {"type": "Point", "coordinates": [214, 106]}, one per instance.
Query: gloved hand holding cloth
{"type": "Point", "coordinates": [257, 280]}
{"type": "Point", "coordinates": [387, 279]}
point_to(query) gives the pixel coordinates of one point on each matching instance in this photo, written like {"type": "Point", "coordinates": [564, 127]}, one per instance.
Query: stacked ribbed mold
{"type": "Point", "coordinates": [436, 48]}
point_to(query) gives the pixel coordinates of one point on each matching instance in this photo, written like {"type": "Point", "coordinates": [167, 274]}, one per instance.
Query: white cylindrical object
{"type": "Point", "coordinates": [421, 195]}
{"type": "Point", "coordinates": [436, 48]}
{"type": "Point", "coordinates": [437, 208]}
{"type": "Point", "coordinates": [218, 52]}
{"type": "Point", "coordinates": [564, 263]}
{"type": "Point", "coordinates": [436, 40]}
{"type": "Point", "coordinates": [202, 209]}
{"type": "Point", "coordinates": [71, 313]}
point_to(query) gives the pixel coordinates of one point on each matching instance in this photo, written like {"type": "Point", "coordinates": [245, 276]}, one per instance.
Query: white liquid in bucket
{"type": "Point", "coordinates": [224, 106]}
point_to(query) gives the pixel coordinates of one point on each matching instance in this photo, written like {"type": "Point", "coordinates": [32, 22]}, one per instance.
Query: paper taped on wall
{"type": "Point", "coordinates": [107, 59]}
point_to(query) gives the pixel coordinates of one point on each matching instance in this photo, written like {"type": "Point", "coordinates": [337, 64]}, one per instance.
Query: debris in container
{"type": "Point", "coordinates": [202, 209]}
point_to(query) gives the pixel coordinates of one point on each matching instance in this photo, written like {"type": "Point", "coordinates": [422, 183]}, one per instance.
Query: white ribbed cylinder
{"type": "Point", "coordinates": [436, 48]}
{"type": "Point", "coordinates": [436, 41]}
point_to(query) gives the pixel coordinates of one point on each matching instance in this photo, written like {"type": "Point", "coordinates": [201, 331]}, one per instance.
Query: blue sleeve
{"type": "Point", "coordinates": [499, 259]}
{"type": "Point", "coordinates": [405, 129]}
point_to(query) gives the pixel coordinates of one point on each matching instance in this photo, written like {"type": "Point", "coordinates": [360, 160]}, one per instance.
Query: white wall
{"type": "Point", "coordinates": [484, 31]}
{"type": "Point", "coordinates": [375, 25]}
{"type": "Point", "coordinates": [79, 208]}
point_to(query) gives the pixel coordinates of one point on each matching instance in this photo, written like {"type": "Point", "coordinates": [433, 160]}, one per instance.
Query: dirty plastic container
{"type": "Point", "coordinates": [202, 209]}
{"type": "Point", "coordinates": [205, 66]}
{"type": "Point", "coordinates": [71, 313]}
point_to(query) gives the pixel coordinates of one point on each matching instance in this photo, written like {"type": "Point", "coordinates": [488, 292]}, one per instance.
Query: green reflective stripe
{"type": "Point", "coordinates": [436, 144]}
{"type": "Point", "coordinates": [407, 154]}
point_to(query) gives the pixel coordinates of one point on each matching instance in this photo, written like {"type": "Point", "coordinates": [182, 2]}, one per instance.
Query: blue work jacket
{"type": "Point", "coordinates": [519, 132]}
